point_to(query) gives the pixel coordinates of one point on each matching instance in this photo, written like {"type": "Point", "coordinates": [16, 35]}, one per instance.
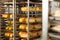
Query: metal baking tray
{"type": "Point", "coordinates": [54, 36]}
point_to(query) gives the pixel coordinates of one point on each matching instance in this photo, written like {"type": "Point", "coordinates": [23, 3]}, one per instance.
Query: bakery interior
{"type": "Point", "coordinates": [22, 20]}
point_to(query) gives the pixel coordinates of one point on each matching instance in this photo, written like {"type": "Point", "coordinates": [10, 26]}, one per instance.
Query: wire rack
{"type": "Point", "coordinates": [13, 8]}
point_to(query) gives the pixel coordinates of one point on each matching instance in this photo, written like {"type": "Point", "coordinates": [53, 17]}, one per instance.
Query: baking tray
{"type": "Point", "coordinates": [55, 36]}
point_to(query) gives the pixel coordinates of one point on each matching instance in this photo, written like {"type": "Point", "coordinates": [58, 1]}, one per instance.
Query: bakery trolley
{"type": "Point", "coordinates": [21, 20]}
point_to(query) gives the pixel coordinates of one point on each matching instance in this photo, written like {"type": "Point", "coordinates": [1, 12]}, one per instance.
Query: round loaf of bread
{"type": "Point", "coordinates": [37, 26]}
{"type": "Point", "coordinates": [9, 28]}
{"type": "Point", "coordinates": [9, 34]}
{"type": "Point", "coordinates": [23, 26]}
{"type": "Point", "coordinates": [57, 13]}
{"type": "Point", "coordinates": [4, 15]}
{"type": "Point", "coordinates": [23, 34]}
{"type": "Point", "coordinates": [38, 19]}
{"type": "Point", "coordinates": [22, 19]}
{"type": "Point", "coordinates": [23, 9]}
{"type": "Point", "coordinates": [31, 19]}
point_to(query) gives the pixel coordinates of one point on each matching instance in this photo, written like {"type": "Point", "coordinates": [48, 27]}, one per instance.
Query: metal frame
{"type": "Point", "coordinates": [45, 19]}
{"type": "Point", "coordinates": [28, 20]}
{"type": "Point", "coordinates": [14, 17]}
{"type": "Point", "coordinates": [1, 2]}
{"type": "Point", "coordinates": [0, 20]}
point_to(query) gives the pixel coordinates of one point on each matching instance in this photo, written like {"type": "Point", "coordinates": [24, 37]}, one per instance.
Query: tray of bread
{"type": "Point", "coordinates": [54, 36]}
{"type": "Point", "coordinates": [56, 28]}
{"type": "Point", "coordinates": [32, 27]}
{"type": "Point", "coordinates": [31, 19]}
{"type": "Point", "coordinates": [54, 32]}
{"type": "Point", "coordinates": [31, 9]}
{"type": "Point", "coordinates": [56, 14]}
{"type": "Point", "coordinates": [33, 34]}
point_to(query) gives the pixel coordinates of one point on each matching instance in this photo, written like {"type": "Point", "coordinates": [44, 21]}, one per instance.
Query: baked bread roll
{"type": "Point", "coordinates": [23, 26]}
{"type": "Point", "coordinates": [8, 34]}
{"type": "Point", "coordinates": [7, 15]}
{"type": "Point", "coordinates": [9, 28]}
{"type": "Point", "coordinates": [23, 34]}
{"type": "Point", "coordinates": [31, 8]}
{"type": "Point", "coordinates": [4, 15]}
{"type": "Point", "coordinates": [57, 13]}
{"type": "Point", "coordinates": [26, 8]}
{"type": "Point", "coordinates": [31, 27]}
{"type": "Point", "coordinates": [10, 22]}
{"type": "Point", "coordinates": [11, 15]}
{"type": "Point", "coordinates": [31, 19]}
{"type": "Point", "coordinates": [39, 32]}
{"type": "Point", "coordinates": [33, 34]}
{"type": "Point", "coordinates": [11, 34]}
{"type": "Point", "coordinates": [22, 19]}
{"type": "Point", "coordinates": [38, 19]}
{"type": "Point", "coordinates": [37, 26]}
{"type": "Point", "coordinates": [23, 9]}
{"type": "Point", "coordinates": [38, 8]}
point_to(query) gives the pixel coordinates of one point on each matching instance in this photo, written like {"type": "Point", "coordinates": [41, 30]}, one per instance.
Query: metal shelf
{"type": "Point", "coordinates": [52, 35]}
{"type": "Point", "coordinates": [32, 37]}
{"type": "Point", "coordinates": [8, 3]}
{"type": "Point", "coordinates": [55, 18]}
{"type": "Point", "coordinates": [40, 29]}
{"type": "Point", "coordinates": [55, 0]}
{"type": "Point", "coordinates": [16, 16]}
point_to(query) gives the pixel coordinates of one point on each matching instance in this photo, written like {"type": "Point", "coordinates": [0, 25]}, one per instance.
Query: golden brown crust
{"type": "Point", "coordinates": [23, 34]}
{"type": "Point", "coordinates": [4, 15]}
{"type": "Point", "coordinates": [22, 26]}
{"type": "Point", "coordinates": [8, 34]}
{"type": "Point", "coordinates": [22, 19]}
{"type": "Point", "coordinates": [38, 19]}
{"type": "Point", "coordinates": [31, 19]}
{"type": "Point", "coordinates": [9, 28]}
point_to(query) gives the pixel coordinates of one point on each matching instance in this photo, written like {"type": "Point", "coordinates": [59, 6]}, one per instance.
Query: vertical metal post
{"type": "Point", "coordinates": [45, 19]}
{"type": "Point", "coordinates": [28, 20]}
{"type": "Point", "coordinates": [14, 17]}
{"type": "Point", "coordinates": [0, 26]}
{"type": "Point", "coordinates": [1, 2]}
